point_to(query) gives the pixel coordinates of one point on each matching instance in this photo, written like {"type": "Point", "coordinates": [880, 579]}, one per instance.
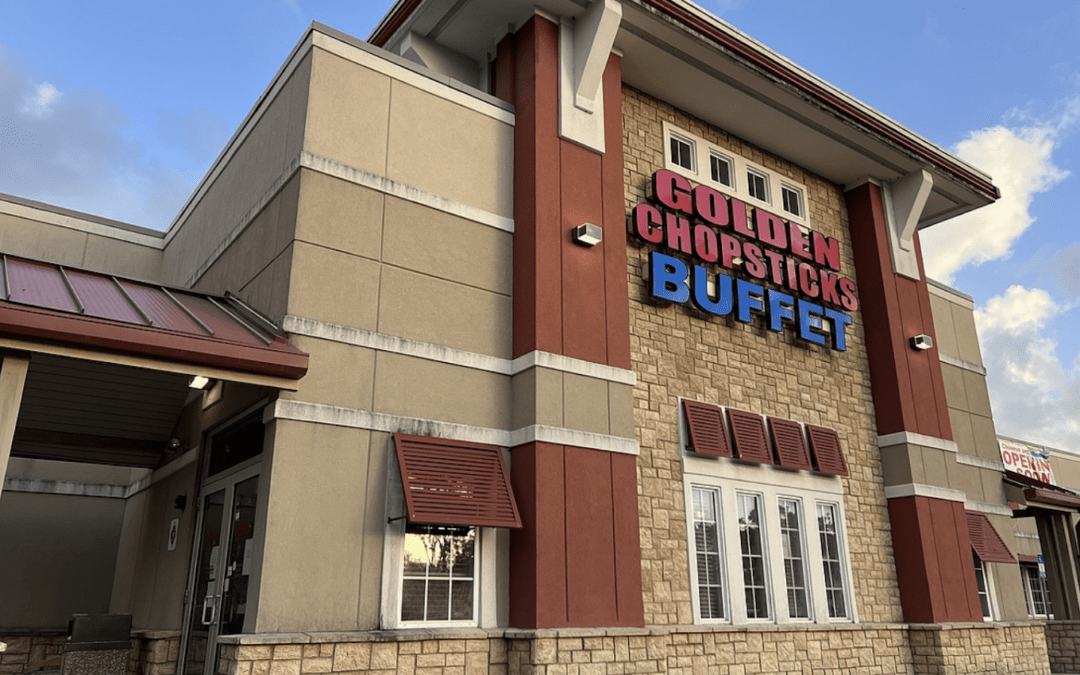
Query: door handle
{"type": "Point", "coordinates": [208, 606]}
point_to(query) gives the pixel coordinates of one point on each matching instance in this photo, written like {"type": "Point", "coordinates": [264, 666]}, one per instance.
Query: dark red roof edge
{"type": "Point", "coordinates": [786, 74]}
{"type": "Point", "coordinates": [390, 27]}
{"type": "Point", "coordinates": [278, 360]}
{"type": "Point", "coordinates": [1052, 497]}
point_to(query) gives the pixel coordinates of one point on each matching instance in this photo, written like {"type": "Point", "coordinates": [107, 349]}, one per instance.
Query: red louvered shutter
{"type": "Point", "coordinates": [455, 483]}
{"type": "Point", "coordinates": [705, 422]}
{"type": "Point", "coordinates": [789, 444]}
{"type": "Point", "coordinates": [825, 446]}
{"type": "Point", "coordinates": [985, 540]}
{"type": "Point", "coordinates": [748, 431]}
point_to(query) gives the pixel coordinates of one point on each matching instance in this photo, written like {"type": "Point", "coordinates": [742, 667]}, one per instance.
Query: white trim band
{"type": "Point", "coordinates": [906, 437]}
{"type": "Point", "coordinates": [1027, 535]}
{"type": "Point", "coordinates": [65, 487]}
{"type": "Point", "coordinates": [980, 462]}
{"type": "Point", "coordinates": [962, 364]}
{"type": "Point", "coordinates": [317, 413]}
{"type": "Point", "coordinates": [987, 507]}
{"type": "Point", "coordinates": [393, 344]}
{"type": "Point", "coordinates": [920, 490]}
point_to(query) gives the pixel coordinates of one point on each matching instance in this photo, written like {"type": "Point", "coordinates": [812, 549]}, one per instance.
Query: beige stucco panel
{"type": "Point", "coordinates": [338, 374]}
{"type": "Point", "coordinates": [955, 393]}
{"type": "Point", "coordinates": [315, 526]}
{"type": "Point", "coordinates": [436, 311]}
{"type": "Point", "coordinates": [447, 246]}
{"type": "Point", "coordinates": [621, 410]}
{"type": "Point", "coordinates": [896, 465]}
{"type": "Point", "coordinates": [977, 395]}
{"type": "Point", "coordinates": [967, 337]}
{"type": "Point", "coordinates": [538, 397]}
{"type": "Point", "coordinates": [963, 435]}
{"type": "Point", "coordinates": [585, 403]}
{"type": "Point", "coordinates": [375, 517]}
{"type": "Point", "coordinates": [442, 147]}
{"type": "Point", "coordinates": [944, 328]}
{"type": "Point", "coordinates": [57, 557]}
{"type": "Point", "coordinates": [967, 479]}
{"type": "Point", "coordinates": [334, 287]}
{"type": "Point", "coordinates": [985, 435]}
{"type": "Point", "coordinates": [43, 241]}
{"type": "Point", "coordinates": [348, 113]}
{"type": "Point", "coordinates": [340, 215]}
{"type": "Point", "coordinates": [425, 389]}
{"type": "Point", "coordinates": [245, 180]}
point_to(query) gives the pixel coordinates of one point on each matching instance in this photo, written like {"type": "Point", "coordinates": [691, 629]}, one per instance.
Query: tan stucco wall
{"type": "Point", "coordinates": [66, 553]}
{"type": "Point", "coordinates": [677, 353]}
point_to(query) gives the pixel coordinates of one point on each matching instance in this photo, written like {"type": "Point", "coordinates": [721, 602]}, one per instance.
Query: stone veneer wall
{"type": "Point", "coordinates": [869, 649]}
{"type": "Point", "coordinates": [152, 652]}
{"type": "Point", "coordinates": [1063, 646]}
{"type": "Point", "coordinates": [679, 352]}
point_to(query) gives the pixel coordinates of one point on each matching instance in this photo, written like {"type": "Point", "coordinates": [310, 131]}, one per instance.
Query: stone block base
{"type": "Point", "coordinates": [151, 653]}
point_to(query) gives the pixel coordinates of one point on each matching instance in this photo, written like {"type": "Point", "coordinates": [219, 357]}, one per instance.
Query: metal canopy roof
{"type": "Point", "coordinates": [54, 304]}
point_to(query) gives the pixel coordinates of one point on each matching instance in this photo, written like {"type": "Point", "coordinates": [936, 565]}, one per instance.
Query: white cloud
{"type": "Point", "coordinates": [1035, 395]}
{"type": "Point", "coordinates": [1020, 160]}
{"type": "Point", "coordinates": [40, 102]}
{"type": "Point", "coordinates": [68, 149]}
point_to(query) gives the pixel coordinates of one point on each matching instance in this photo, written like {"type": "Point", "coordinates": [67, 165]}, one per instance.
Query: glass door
{"type": "Point", "coordinates": [222, 569]}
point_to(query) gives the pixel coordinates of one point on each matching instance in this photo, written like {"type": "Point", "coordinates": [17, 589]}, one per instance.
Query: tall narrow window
{"type": "Point", "coordinates": [721, 170]}
{"type": "Point", "coordinates": [682, 153]}
{"type": "Point", "coordinates": [439, 573]}
{"type": "Point", "coordinates": [757, 185]}
{"type": "Point", "coordinates": [1035, 591]}
{"type": "Point", "coordinates": [751, 538]}
{"type": "Point", "coordinates": [794, 558]}
{"type": "Point", "coordinates": [828, 529]}
{"type": "Point", "coordinates": [707, 550]}
{"type": "Point", "coordinates": [792, 200]}
{"type": "Point", "coordinates": [984, 588]}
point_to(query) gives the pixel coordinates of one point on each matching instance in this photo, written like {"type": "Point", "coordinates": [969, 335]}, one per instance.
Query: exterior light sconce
{"type": "Point", "coordinates": [588, 234]}
{"type": "Point", "coordinates": [199, 382]}
{"type": "Point", "coordinates": [922, 342]}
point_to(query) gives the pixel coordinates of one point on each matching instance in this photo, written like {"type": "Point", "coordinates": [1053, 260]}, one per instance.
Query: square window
{"type": "Point", "coordinates": [682, 152]}
{"type": "Point", "coordinates": [438, 575]}
{"type": "Point", "coordinates": [722, 170]}
{"type": "Point", "coordinates": [792, 200]}
{"type": "Point", "coordinates": [757, 185]}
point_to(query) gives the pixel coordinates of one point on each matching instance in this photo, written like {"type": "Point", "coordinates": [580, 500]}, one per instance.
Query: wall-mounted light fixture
{"type": "Point", "coordinates": [922, 342]}
{"type": "Point", "coordinates": [588, 234]}
{"type": "Point", "coordinates": [180, 502]}
{"type": "Point", "coordinates": [199, 382]}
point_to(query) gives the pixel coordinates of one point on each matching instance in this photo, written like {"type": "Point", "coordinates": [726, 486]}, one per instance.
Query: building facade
{"type": "Point", "coordinates": [560, 338]}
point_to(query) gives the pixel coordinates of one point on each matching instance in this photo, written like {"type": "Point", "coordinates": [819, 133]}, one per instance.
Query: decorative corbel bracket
{"type": "Point", "coordinates": [904, 203]}
{"type": "Point", "coordinates": [585, 44]}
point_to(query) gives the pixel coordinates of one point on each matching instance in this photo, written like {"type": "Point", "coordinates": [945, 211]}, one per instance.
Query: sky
{"type": "Point", "coordinates": [118, 108]}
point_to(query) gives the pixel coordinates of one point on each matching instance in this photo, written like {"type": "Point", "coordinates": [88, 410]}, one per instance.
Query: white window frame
{"type": "Point", "coordinates": [1029, 592]}
{"type": "Point", "coordinates": [725, 605]}
{"type": "Point", "coordinates": [702, 153]}
{"type": "Point", "coordinates": [764, 176]}
{"type": "Point", "coordinates": [800, 198]}
{"type": "Point", "coordinates": [803, 536]}
{"type": "Point", "coordinates": [486, 587]}
{"type": "Point", "coordinates": [729, 477]}
{"type": "Point", "coordinates": [988, 583]}
{"type": "Point", "coordinates": [726, 159]}
{"type": "Point", "coordinates": [845, 568]}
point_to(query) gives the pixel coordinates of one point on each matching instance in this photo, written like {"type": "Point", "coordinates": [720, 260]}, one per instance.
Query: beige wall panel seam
{"type": "Point", "coordinates": [906, 437]}
{"type": "Point", "coordinates": [383, 184]}
{"type": "Point", "coordinates": [921, 490]}
{"type": "Point", "coordinates": [245, 220]}
{"type": "Point", "coordinates": [412, 78]}
{"type": "Point", "coordinates": [987, 507]}
{"type": "Point", "coordinates": [261, 107]}
{"type": "Point", "coordinates": [456, 357]}
{"type": "Point", "coordinates": [980, 462]}
{"type": "Point", "coordinates": [65, 487]}
{"type": "Point", "coordinates": [81, 225]}
{"type": "Point", "coordinates": [960, 363]}
{"type": "Point", "coordinates": [301, 411]}
{"type": "Point", "coordinates": [185, 460]}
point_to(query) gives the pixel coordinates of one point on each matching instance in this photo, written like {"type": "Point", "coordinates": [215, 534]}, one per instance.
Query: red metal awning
{"type": "Point", "coordinates": [985, 539]}
{"type": "Point", "coordinates": [1037, 492]}
{"type": "Point", "coordinates": [825, 446]}
{"type": "Point", "coordinates": [789, 444]}
{"type": "Point", "coordinates": [455, 483]}
{"type": "Point", "coordinates": [56, 304]}
{"type": "Point", "coordinates": [748, 431]}
{"type": "Point", "coordinates": [705, 424]}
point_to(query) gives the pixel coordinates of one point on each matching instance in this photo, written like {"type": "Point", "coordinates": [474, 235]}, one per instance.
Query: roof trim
{"type": "Point", "coordinates": [393, 20]}
{"type": "Point", "coordinates": [796, 77]}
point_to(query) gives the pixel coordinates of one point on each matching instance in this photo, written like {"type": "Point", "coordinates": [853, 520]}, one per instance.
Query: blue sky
{"type": "Point", "coordinates": [118, 108]}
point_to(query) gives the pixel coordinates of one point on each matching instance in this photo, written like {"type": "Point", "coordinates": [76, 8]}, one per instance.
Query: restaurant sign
{"type": "Point", "coordinates": [1029, 460]}
{"type": "Point", "coordinates": [731, 259]}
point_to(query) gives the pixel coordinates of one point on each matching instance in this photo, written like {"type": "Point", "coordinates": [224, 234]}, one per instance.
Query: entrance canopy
{"type": "Point", "coordinates": [106, 361]}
